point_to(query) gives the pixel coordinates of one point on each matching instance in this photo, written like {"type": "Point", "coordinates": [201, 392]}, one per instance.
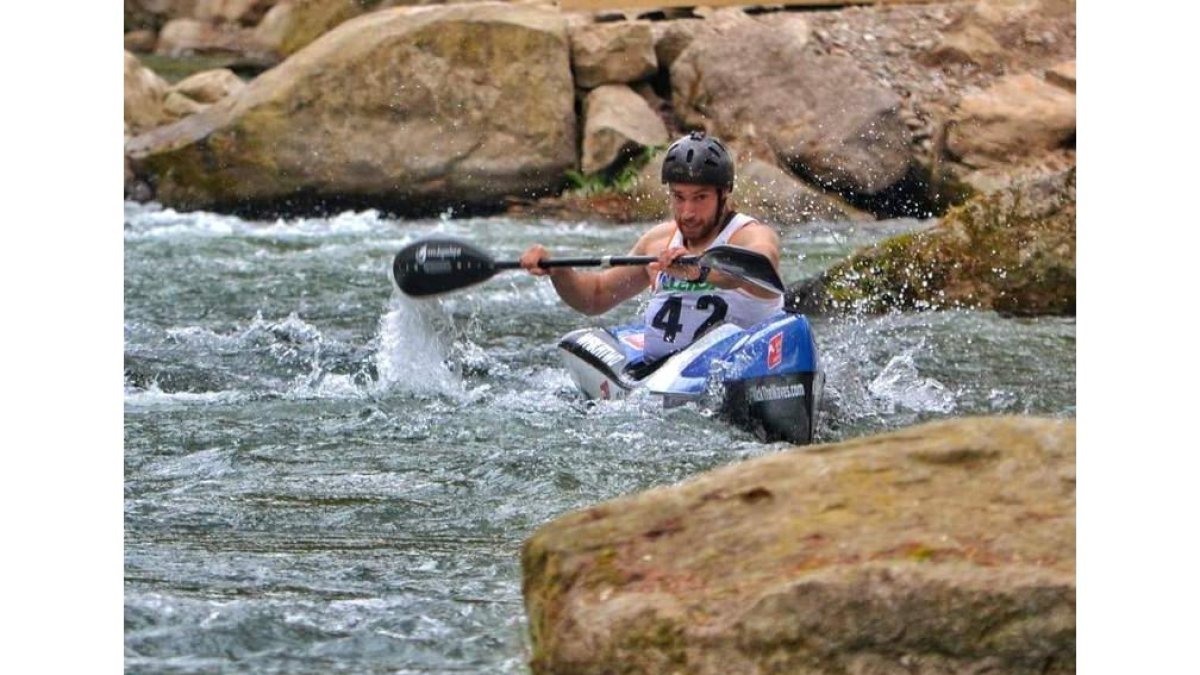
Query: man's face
{"type": "Point", "coordinates": [694, 208]}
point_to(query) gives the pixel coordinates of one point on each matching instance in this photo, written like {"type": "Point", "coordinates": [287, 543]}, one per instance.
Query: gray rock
{"type": "Point", "coordinates": [618, 123]}
{"type": "Point", "coordinates": [613, 53]}
{"type": "Point", "coordinates": [823, 115]}
{"type": "Point", "coordinates": [1017, 117]}
{"type": "Point", "coordinates": [767, 192]}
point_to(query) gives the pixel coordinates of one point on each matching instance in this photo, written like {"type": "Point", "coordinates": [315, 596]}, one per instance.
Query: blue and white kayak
{"type": "Point", "coordinates": [769, 375]}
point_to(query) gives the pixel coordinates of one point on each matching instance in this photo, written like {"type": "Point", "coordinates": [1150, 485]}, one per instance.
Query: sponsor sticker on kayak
{"type": "Point", "coordinates": [635, 340]}
{"type": "Point", "coordinates": [775, 351]}
{"type": "Point", "coordinates": [775, 392]}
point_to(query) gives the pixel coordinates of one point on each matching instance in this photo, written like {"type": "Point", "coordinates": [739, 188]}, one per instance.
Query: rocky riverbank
{"type": "Point", "coordinates": [886, 110]}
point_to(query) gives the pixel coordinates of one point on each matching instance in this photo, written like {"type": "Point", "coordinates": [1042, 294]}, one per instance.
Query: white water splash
{"type": "Point", "coordinates": [412, 355]}
{"type": "Point", "coordinates": [152, 221]}
{"type": "Point", "coordinates": [901, 385]}
{"type": "Point", "coordinates": [152, 397]}
{"type": "Point", "coordinates": [320, 385]}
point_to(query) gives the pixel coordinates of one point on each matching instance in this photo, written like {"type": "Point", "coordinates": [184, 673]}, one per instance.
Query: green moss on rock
{"type": "Point", "coordinates": [1011, 251]}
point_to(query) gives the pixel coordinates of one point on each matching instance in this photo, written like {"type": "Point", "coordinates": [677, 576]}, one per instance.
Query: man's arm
{"type": "Point", "coordinates": [597, 292]}
{"type": "Point", "coordinates": [594, 292]}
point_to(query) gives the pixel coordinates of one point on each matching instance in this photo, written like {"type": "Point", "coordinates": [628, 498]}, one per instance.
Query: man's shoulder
{"type": "Point", "coordinates": [754, 228]}
{"type": "Point", "coordinates": [656, 237]}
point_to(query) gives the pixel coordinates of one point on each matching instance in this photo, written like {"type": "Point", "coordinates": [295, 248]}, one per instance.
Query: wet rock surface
{"type": "Point", "coordinates": [1012, 251]}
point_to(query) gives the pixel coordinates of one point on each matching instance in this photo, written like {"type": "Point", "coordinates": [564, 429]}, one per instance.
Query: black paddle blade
{"type": "Point", "coordinates": [435, 266]}
{"type": "Point", "coordinates": [741, 262]}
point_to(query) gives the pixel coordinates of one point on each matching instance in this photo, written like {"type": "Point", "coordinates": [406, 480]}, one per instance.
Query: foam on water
{"type": "Point", "coordinates": [153, 397]}
{"type": "Point", "coordinates": [152, 221]}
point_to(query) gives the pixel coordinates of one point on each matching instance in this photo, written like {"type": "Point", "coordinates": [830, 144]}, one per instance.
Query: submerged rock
{"type": "Point", "coordinates": [1011, 251]}
{"type": "Point", "coordinates": [946, 547]}
{"type": "Point", "coordinates": [407, 109]}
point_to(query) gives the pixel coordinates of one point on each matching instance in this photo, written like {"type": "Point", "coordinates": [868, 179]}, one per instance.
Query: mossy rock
{"type": "Point", "coordinates": [1011, 251]}
{"type": "Point", "coordinates": [949, 546]}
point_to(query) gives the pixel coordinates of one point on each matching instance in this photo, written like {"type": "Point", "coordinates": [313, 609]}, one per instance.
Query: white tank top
{"type": "Point", "coordinates": [681, 311]}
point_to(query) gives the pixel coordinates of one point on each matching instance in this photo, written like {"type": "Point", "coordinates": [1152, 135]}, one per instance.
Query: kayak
{"type": "Point", "coordinates": [768, 376]}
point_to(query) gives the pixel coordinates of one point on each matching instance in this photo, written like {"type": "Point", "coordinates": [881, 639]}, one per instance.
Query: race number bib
{"type": "Point", "coordinates": [678, 320]}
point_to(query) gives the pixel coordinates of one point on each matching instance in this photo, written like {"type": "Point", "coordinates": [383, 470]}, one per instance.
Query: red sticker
{"type": "Point", "coordinates": [775, 351]}
{"type": "Point", "coordinates": [604, 393]}
{"type": "Point", "coordinates": [635, 340]}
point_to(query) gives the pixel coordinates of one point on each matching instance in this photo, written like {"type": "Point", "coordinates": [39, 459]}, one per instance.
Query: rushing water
{"type": "Point", "coordinates": [323, 476]}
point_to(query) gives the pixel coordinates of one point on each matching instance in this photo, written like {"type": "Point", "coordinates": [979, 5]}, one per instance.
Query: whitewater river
{"type": "Point", "coordinates": [322, 476]}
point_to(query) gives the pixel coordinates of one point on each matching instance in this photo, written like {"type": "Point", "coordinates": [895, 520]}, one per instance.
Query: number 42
{"type": "Point", "coordinates": [667, 319]}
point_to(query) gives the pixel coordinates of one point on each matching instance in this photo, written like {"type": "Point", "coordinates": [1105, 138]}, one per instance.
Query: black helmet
{"type": "Point", "coordinates": [698, 159]}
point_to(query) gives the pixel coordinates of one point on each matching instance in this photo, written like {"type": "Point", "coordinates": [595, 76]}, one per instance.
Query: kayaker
{"type": "Point", "coordinates": [685, 300]}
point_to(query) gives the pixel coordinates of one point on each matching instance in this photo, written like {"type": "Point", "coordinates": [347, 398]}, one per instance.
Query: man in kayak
{"type": "Point", "coordinates": [685, 300]}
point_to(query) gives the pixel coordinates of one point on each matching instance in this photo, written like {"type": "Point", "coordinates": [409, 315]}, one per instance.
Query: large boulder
{"type": "Point", "coordinates": [671, 38]}
{"type": "Point", "coordinates": [771, 194]}
{"type": "Point", "coordinates": [1017, 117]}
{"type": "Point", "coordinates": [613, 53]}
{"type": "Point", "coordinates": [618, 123]}
{"type": "Point", "coordinates": [821, 114]}
{"type": "Point", "coordinates": [292, 24]}
{"type": "Point", "coordinates": [408, 109]}
{"type": "Point", "coordinates": [1012, 251]}
{"type": "Point", "coordinates": [144, 95]}
{"type": "Point", "coordinates": [942, 548]}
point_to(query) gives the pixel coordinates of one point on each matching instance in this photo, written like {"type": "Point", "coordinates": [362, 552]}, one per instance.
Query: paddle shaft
{"type": "Point", "coordinates": [606, 261]}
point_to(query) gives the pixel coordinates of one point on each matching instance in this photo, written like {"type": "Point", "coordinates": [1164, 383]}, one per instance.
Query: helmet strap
{"type": "Point", "coordinates": [720, 217]}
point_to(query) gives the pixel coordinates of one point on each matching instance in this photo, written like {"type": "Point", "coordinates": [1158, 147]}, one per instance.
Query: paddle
{"type": "Point", "coordinates": [434, 266]}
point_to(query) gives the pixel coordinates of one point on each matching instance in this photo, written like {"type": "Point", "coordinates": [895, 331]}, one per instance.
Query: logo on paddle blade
{"type": "Point", "coordinates": [775, 351]}
{"type": "Point", "coordinates": [437, 259]}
